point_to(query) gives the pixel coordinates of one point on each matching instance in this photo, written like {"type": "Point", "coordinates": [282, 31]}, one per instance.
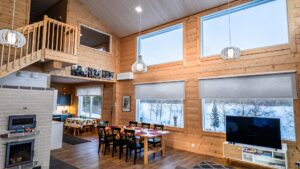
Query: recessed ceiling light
{"type": "Point", "coordinates": [139, 9]}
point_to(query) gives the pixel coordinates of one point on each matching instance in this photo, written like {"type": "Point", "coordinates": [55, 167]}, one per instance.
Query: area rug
{"type": "Point", "coordinates": [73, 140]}
{"type": "Point", "coordinates": [58, 164]}
{"type": "Point", "coordinates": [205, 165]}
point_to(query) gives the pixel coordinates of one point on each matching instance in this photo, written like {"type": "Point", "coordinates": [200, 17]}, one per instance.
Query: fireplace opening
{"type": "Point", "coordinates": [19, 153]}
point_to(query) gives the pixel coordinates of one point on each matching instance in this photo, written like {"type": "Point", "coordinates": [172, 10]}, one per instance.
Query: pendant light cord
{"type": "Point", "coordinates": [229, 22]}
{"type": "Point", "coordinates": [140, 28]}
{"type": "Point", "coordinates": [13, 15]}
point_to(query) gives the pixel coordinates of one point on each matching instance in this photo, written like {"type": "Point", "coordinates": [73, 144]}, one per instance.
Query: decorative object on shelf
{"type": "Point", "coordinates": [230, 53]}
{"type": "Point", "coordinates": [126, 103]}
{"type": "Point", "coordinates": [11, 37]}
{"type": "Point", "coordinates": [107, 75]}
{"type": "Point", "coordinates": [82, 71]}
{"type": "Point", "coordinates": [139, 65]}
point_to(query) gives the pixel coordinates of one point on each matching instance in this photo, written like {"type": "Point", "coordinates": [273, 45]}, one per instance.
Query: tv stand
{"type": "Point", "coordinates": [275, 158]}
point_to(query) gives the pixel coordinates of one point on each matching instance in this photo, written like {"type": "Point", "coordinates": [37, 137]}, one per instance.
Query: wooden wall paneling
{"type": "Point", "coordinates": [77, 14]}
{"type": "Point", "coordinates": [21, 15]}
{"type": "Point", "coordinates": [270, 59]}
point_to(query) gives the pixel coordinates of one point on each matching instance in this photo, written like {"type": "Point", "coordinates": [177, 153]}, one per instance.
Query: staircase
{"type": "Point", "coordinates": [47, 36]}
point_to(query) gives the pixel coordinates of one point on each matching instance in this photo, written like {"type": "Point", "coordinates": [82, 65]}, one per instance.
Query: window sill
{"type": "Point", "coordinates": [249, 52]}
{"type": "Point", "coordinates": [174, 129]}
{"type": "Point", "coordinates": [80, 46]}
{"type": "Point", "coordinates": [214, 134]}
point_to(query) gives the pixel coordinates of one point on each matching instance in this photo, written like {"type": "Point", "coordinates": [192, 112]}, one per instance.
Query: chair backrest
{"type": "Point", "coordinates": [146, 125]}
{"type": "Point", "coordinates": [104, 123]}
{"type": "Point", "coordinates": [101, 132]}
{"type": "Point", "coordinates": [133, 123]}
{"type": "Point", "coordinates": [116, 133]}
{"type": "Point", "coordinates": [158, 127]}
{"type": "Point", "coordinates": [129, 136]}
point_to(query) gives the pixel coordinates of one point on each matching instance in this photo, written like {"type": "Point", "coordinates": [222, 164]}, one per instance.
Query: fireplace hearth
{"type": "Point", "coordinates": [19, 153]}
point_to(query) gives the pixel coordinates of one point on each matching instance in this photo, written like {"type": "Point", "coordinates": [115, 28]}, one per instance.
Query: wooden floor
{"type": "Point", "coordinates": [85, 156]}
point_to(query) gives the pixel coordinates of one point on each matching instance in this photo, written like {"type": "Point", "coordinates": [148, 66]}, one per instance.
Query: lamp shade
{"type": "Point", "coordinates": [139, 66]}
{"type": "Point", "coordinates": [231, 53]}
{"type": "Point", "coordinates": [12, 38]}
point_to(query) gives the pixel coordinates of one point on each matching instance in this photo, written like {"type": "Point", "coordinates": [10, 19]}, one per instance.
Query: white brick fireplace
{"type": "Point", "coordinates": [28, 102]}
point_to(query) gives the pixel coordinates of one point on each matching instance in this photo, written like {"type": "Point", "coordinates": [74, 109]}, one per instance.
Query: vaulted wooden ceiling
{"type": "Point", "coordinates": [120, 15]}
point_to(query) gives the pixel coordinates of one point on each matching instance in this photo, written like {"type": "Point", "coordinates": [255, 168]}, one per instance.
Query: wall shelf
{"type": "Point", "coordinates": [269, 157]}
{"type": "Point", "coordinates": [12, 135]}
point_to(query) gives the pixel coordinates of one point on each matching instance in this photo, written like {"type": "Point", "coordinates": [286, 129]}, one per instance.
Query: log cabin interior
{"type": "Point", "coordinates": [160, 84]}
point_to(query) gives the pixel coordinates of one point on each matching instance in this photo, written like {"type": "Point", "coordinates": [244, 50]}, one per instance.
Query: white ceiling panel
{"type": "Point", "coordinates": [120, 15]}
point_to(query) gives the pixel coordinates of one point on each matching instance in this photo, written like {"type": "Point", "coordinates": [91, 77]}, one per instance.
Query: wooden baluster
{"type": "Point", "coordinates": [28, 41]}
{"type": "Point", "coordinates": [8, 58]}
{"type": "Point", "coordinates": [61, 38]}
{"type": "Point", "coordinates": [44, 37]}
{"type": "Point", "coordinates": [33, 42]}
{"type": "Point", "coordinates": [2, 56]}
{"type": "Point", "coordinates": [15, 55]}
{"type": "Point", "coordinates": [52, 44]}
{"type": "Point", "coordinates": [65, 39]}
{"type": "Point", "coordinates": [57, 32]}
{"type": "Point", "coordinates": [69, 42]}
{"type": "Point", "coordinates": [38, 38]}
{"type": "Point", "coordinates": [48, 36]}
{"type": "Point", "coordinates": [21, 52]}
{"type": "Point", "coordinates": [76, 40]}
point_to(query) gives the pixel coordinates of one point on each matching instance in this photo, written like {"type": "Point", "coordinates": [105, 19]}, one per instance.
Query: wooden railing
{"type": "Point", "coordinates": [60, 36]}
{"type": "Point", "coordinates": [48, 34]}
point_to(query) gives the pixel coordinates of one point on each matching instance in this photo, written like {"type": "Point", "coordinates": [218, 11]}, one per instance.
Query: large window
{"type": "Point", "coordinates": [162, 46]}
{"type": "Point", "coordinates": [268, 96]}
{"type": "Point", "coordinates": [256, 24]}
{"type": "Point", "coordinates": [90, 106]}
{"type": "Point", "coordinates": [215, 111]}
{"type": "Point", "coordinates": [158, 103]}
{"type": "Point", "coordinates": [166, 112]}
{"type": "Point", "coordinates": [89, 101]}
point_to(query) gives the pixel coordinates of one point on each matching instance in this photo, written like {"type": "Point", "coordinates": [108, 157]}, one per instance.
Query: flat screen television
{"type": "Point", "coordinates": [264, 132]}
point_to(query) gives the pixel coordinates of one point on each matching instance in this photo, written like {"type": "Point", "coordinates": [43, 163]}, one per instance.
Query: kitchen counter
{"type": "Point", "coordinates": [56, 135]}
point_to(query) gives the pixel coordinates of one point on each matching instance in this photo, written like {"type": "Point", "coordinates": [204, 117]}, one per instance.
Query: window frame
{"type": "Point", "coordinates": [80, 105]}
{"type": "Point", "coordinates": [99, 31]}
{"type": "Point", "coordinates": [223, 133]}
{"type": "Point", "coordinates": [158, 32]}
{"type": "Point", "coordinates": [237, 8]}
{"type": "Point", "coordinates": [166, 126]}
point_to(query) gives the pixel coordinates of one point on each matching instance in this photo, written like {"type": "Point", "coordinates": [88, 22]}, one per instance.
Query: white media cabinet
{"type": "Point", "coordinates": [269, 157]}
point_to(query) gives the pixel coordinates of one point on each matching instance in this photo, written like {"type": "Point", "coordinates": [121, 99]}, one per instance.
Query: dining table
{"type": "Point", "coordinates": [78, 124]}
{"type": "Point", "coordinates": [145, 135]}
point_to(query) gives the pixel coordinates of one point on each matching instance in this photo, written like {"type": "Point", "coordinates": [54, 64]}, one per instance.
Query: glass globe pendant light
{"type": "Point", "coordinates": [231, 52]}
{"type": "Point", "coordinates": [139, 65]}
{"type": "Point", "coordinates": [11, 37]}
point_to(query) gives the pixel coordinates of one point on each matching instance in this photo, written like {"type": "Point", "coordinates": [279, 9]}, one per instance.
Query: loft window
{"type": "Point", "coordinates": [253, 25]}
{"type": "Point", "coordinates": [95, 39]}
{"type": "Point", "coordinates": [162, 46]}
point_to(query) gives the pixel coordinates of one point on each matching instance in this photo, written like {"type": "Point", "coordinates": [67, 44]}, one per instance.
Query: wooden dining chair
{"type": "Point", "coordinates": [131, 144]}
{"type": "Point", "coordinates": [104, 139]}
{"type": "Point", "coordinates": [156, 141]}
{"type": "Point", "coordinates": [146, 125]}
{"type": "Point", "coordinates": [118, 141]}
{"type": "Point", "coordinates": [133, 124]}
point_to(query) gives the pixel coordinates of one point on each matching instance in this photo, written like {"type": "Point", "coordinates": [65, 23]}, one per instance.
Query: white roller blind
{"type": "Point", "coordinates": [260, 86]}
{"type": "Point", "coordinates": [89, 91]}
{"type": "Point", "coordinates": [160, 91]}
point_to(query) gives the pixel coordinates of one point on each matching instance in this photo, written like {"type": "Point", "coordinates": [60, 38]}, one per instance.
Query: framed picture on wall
{"type": "Point", "coordinates": [126, 104]}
